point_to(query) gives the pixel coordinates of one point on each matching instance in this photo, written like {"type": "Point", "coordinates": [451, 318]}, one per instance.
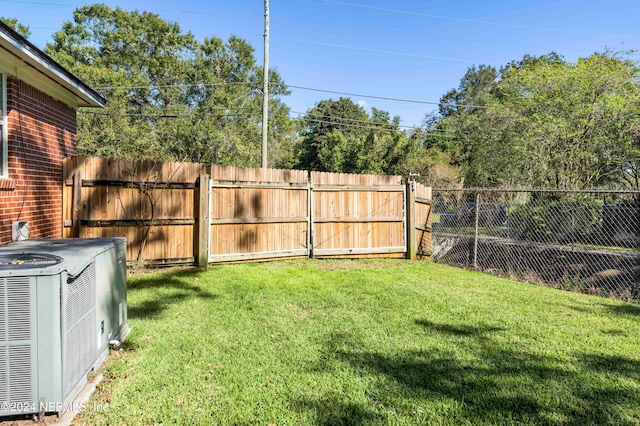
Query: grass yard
{"type": "Point", "coordinates": [367, 342]}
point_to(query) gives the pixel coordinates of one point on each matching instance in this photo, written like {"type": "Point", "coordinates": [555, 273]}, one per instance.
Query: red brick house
{"type": "Point", "coordinates": [38, 103]}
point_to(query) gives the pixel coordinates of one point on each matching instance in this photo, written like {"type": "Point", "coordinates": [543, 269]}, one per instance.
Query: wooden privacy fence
{"type": "Point", "coordinates": [150, 204]}
{"type": "Point", "coordinates": [177, 213]}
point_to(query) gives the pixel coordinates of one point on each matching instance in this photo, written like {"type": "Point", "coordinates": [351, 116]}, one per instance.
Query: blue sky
{"type": "Point", "coordinates": [412, 50]}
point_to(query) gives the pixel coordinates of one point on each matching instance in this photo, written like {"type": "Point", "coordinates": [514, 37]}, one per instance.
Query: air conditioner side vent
{"type": "Point", "coordinates": [80, 334]}
{"type": "Point", "coordinates": [81, 295]}
{"type": "Point", "coordinates": [15, 340]}
{"type": "Point", "coordinates": [20, 374]}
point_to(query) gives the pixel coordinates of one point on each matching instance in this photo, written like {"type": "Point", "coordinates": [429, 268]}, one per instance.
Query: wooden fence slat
{"type": "Point", "coordinates": [108, 223]}
{"type": "Point", "coordinates": [359, 251]}
{"type": "Point", "coordinates": [359, 219]}
{"type": "Point", "coordinates": [131, 184]}
{"type": "Point", "coordinates": [358, 188]}
{"type": "Point", "coordinates": [226, 184]}
{"type": "Point", "coordinates": [257, 212]}
{"type": "Point", "coordinates": [257, 220]}
{"type": "Point", "coordinates": [357, 215]}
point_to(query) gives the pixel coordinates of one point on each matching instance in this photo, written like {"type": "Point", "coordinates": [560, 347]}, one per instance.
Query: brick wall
{"type": "Point", "coordinates": [42, 131]}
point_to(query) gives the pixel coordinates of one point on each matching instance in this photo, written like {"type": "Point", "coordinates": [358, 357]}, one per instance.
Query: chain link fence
{"type": "Point", "coordinates": [574, 240]}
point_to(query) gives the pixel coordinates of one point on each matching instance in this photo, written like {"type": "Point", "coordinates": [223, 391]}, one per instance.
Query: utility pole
{"type": "Point", "coordinates": [265, 87]}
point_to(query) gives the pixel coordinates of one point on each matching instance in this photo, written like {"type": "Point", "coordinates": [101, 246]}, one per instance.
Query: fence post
{"type": "Point", "coordinates": [410, 220]}
{"type": "Point", "coordinates": [202, 228]}
{"type": "Point", "coordinates": [76, 204]}
{"type": "Point", "coordinates": [475, 237]}
{"type": "Point", "coordinates": [310, 223]}
{"type": "Point", "coordinates": [573, 228]}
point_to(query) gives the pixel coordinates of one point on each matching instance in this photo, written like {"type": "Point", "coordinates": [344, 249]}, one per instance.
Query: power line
{"type": "Point", "coordinates": [314, 89]}
{"type": "Point", "coordinates": [355, 120]}
{"type": "Point", "coordinates": [359, 95]}
{"type": "Point", "coordinates": [477, 21]}
{"type": "Point", "coordinates": [355, 126]}
{"type": "Point", "coordinates": [391, 127]}
{"type": "Point", "coordinates": [183, 33]}
{"type": "Point", "coordinates": [40, 3]}
{"type": "Point", "coordinates": [164, 86]}
{"type": "Point", "coordinates": [351, 125]}
{"type": "Point", "coordinates": [360, 124]}
{"type": "Point", "coordinates": [198, 12]}
{"type": "Point", "coordinates": [195, 112]}
{"type": "Point", "coordinates": [143, 115]}
{"type": "Point", "coordinates": [475, 40]}
{"type": "Point", "coordinates": [388, 52]}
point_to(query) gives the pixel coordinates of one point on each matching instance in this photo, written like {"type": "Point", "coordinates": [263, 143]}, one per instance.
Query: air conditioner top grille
{"type": "Point", "coordinates": [27, 260]}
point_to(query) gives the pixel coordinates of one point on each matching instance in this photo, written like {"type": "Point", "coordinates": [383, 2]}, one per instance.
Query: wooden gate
{"type": "Point", "coordinates": [422, 220]}
{"type": "Point", "coordinates": [357, 215]}
{"type": "Point", "coordinates": [258, 214]}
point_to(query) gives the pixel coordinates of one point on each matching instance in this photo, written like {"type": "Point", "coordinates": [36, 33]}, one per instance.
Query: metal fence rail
{"type": "Point", "coordinates": [575, 240]}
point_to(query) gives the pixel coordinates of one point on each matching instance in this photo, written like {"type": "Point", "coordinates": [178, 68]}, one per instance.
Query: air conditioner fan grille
{"type": "Point", "coordinates": [28, 260]}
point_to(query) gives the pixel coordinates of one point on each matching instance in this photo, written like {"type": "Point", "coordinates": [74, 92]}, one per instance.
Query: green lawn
{"type": "Point", "coordinates": [368, 342]}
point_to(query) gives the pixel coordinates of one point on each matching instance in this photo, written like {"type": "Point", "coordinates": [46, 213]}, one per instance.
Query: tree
{"type": "Point", "coordinates": [16, 26]}
{"type": "Point", "coordinates": [475, 91]}
{"type": "Point", "coordinates": [581, 119]}
{"type": "Point", "coordinates": [170, 97]}
{"type": "Point", "coordinates": [447, 138]}
{"type": "Point", "coordinates": [321, 131]}
{"type": "Point", "coordinates": [544, 122]}
{"type": "Point", "coordinates": [340, 136]}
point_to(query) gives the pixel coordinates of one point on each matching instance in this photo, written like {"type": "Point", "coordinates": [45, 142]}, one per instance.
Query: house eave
{"type": "Point", "coordinates": [25, 61]}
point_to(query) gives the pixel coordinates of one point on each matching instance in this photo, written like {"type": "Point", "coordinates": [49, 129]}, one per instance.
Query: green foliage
{"type": "Point", "coordinates": [574, 218]}
{"type": "Point", "coordinates": [339, 136]}
{"type": "Point", "coordinates": [16, 26]}
{"type": "Point", "coordinates": [170, 97]}
{"type": "Point", "coordinates": [544, 122]}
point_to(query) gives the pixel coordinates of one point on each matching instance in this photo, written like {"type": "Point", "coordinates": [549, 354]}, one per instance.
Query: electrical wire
{"type": "Point", "coordinates": [142, 115]}
{"type": "Point", "coordinates": [135, 111]}
{"type": "Point", "coordinates": [358, 126]}
{"type": "Point", "coordinates": [359, 95]}
{"type": "Point", "coordinates": [198, 12]}
{"type": "Point", "coordinates": [476, 21]}
{"type": "Point", "coordinates": [21, 126]}
{"type": "Point", "coordinates": [314, 89]}
{"type": "Point", "coordinates": [165, 86]}
{"type": "Point", "coordinates": [387, 52]}
{"type": "Point", "coordinates": [391, 128]}
{"type": "Point", "coordinates": [352, 123]}
{"type": "Point", "coordinates": [475, 40]}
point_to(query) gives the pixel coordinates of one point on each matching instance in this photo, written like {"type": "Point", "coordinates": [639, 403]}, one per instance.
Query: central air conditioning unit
{"type": "Point", "coordinates": [61, 303]}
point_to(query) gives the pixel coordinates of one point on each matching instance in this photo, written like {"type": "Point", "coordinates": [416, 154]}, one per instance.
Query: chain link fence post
{"type": "Point", "coordinates": [573, 228]}
{"type": "Point", "coordinates": [475, 231]}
